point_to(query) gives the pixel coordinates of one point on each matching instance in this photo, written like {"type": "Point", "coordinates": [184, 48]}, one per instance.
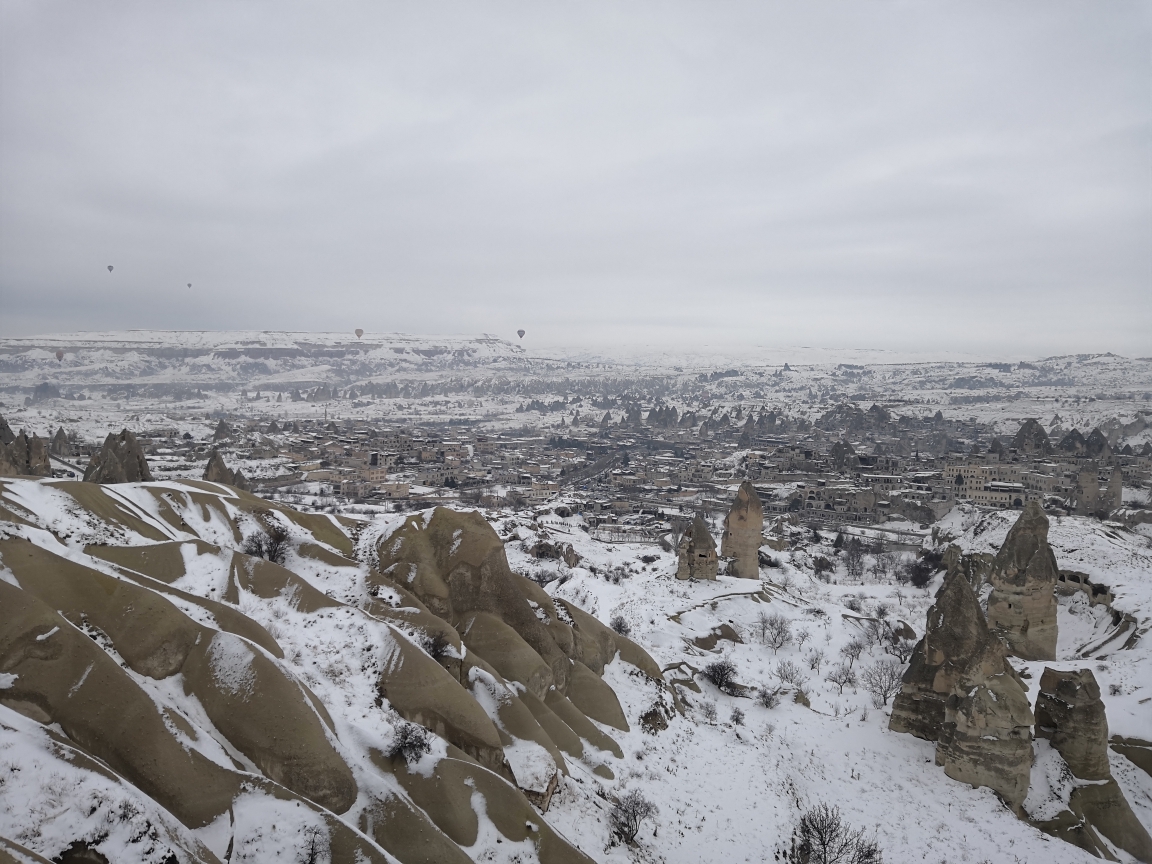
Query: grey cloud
{"type": "Point", "coordinates": [969, 176]}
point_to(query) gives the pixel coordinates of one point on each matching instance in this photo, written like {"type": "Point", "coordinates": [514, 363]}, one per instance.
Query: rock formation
{"type": "Point", "coordinates": [986, 739]}
{"type": "Point", "coordinates": [1072, 443]}
{"type": "Point", "coordinates": [120, 461]}
{"type": "Point", "coordinates": [1031, 439]}
{"type": "Point", "coordinates": [1022, 606]}
{"type": "Point", "coordinates": [223, 431]}
{"type": "Point", "coordinates": [960, 691]}
{"type": "Point", "coordinates": [1070, 714]}
{"type": "Point", "coordinates": [500, 675]}
{"type": "Point", "coordinates": [455, 564]}
{"type": "Point", "coordinates": [1096, 446]}
{"type": "Point", "coordinates": [218, 472]}
{"type": "Point", "coordinates": [697, 553]}
{"type": "Point", "coordinates": [7, 436]}
{"type": "Point", "coordinates": [1086, 493]}
{"type": "Point", "coordinates": [743, 529]}
{"type": "Point", "coordinates": [25, 457]}
{"type": "Point", "coordinates": [60, 445]}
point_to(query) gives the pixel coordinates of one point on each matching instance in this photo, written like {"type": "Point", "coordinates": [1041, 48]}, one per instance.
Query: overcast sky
{"type": "Point", "coordinates": [965, 176]}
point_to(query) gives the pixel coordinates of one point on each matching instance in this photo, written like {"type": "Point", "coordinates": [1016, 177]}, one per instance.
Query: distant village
{"type": "Point", "coordinates": [629, 472]}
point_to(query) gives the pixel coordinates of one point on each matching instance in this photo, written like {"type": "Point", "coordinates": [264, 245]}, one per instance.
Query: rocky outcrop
{"type": "Point", "coordinates": [960, 691]}
{"type": "Point", "coordinates": [743, 530]}
{"type": "Point", "coordinates": [1031, 439]}
{"type": "Point", "coordinates": [7, 436]}
{"type": "Point", "coordinates": [223, 431]}
{"type": "Point", "coordinates": [60, 445]}
{"type": "Point", "coordinates": [1072, 443]}
{"type": "Point", "coordinates": [1070, 714]}
{"type": "Point", "coordinates": [986, 739]}
{"type": "Point", "coordinates": [217, 471]}
{"type": "Point", "coordinates": [1086, 493]}
{"type": "Point", "coordinates": [955, 634]}
{"type": "Point", "coordinates": [1096, 446]}
{"type": "Point", "coordinates": [25, 457]}
{"type": "Point", "coordinates": [697, 553]}
{"type": "Point", "coordinates": [119, 461]}
{"type": "Point", "coordinates": [1022, 606]}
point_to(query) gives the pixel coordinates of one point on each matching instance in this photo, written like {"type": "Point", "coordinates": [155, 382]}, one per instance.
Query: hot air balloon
{"type": "Point", "coordinates": [520, 333]}
{"type": "Point", "coordinates": [359, 332]}
{"type": "Point", "coordinates": [189, 284]}
{"type": "Point", "coordinates": [109, 268]}
{"type": "Point", "coordinates": [59, 356]}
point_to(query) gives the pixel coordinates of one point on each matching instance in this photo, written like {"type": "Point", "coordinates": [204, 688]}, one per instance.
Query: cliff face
{"type": "Point", "coordinates": [697, 553]}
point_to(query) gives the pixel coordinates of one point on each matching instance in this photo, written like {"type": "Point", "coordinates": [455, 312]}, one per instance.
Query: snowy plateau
{"type": "Point", "coordinates": [441, 618]}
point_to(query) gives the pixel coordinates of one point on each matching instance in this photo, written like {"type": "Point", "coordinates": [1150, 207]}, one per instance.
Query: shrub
{"type": "Point", "coordinates": [708, 709]}
{"type": "Point", "coordinates": [436, 644]}
{"type": "Point", "coordinates": [823, 837]}
{"type": "Point", "coordinates": [722, 673]}
{"type": "Point", "coordinates": [271, 544]}
{"type": "Point", "coordinates": [411, 742]}
{"type": "Point", "coordinates": [789, 673]}
{"type": "Point", "coordinates": [882, 679]}
{"type": "Point", "coordinates": [767, 697]}
{"type": "Point", "coordinates": [628, 813]}
{"type": "Point", "coordinates": [620, 625]}
{"type": "Point", "coordinates": [737, 717]}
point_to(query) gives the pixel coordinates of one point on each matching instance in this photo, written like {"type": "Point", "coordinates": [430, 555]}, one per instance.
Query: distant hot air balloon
{"type": "Point", "coordinates": [520, 333]}
{"type": "Point", "coordinates": [359, 332]}
{"type": "Point", "coordinates": [109, 268]}
{"type": "Point", "coordinates": [59, 356]}
{"type": "Point", "coordinates": [189, 284]}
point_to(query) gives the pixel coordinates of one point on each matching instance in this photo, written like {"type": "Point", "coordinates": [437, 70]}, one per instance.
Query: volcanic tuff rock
{"type": "Point", "coordinates": [986, 739]}
{"type": "Point", "coordinates": [120, 461]}
{"type": "Point", "coordinates": [743, 528]}
{"type": "Point", "coordinates": [85, 631]}
{"type": "Point", "coordinates": [7, 436]}
{"type": "Point", "coordinates": [960, 691]}
{"type": "Point", "coordinates": [218, 472]}
{"type": "Point", "coordinates": [1070, 713]}
{"type": "Point", "coordinates": [223, 431]}
{"type": "Point", "coordinates": [1031, 439]}
{"type": "Point", "coordinates": [25, 456]}
{"type": "Point", "coordinates": [955, 635]}
{"type": "Point", "coordinates": [697, 553]}
{"type": "Point", "coordinates": [1022, 606]}
{"type": "Point", "coordinates": [60, 445]}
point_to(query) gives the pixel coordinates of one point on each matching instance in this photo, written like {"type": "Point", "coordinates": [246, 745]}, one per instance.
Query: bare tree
{"type": "Point", "coordinates": [815, 660]}
{"type": "Point", "coordinates": [778, 632]}
{"type": "Point", "coordinates": [854, 558]}
{"type": "Point", "coordinates": [802, 636]}
{"type": "Point", "coordinates": [823, 837]}
{"type": "Point", "coordinates": [628, 813]}
{"type": "Point", "coordinates": [842, 676]}
{"type": "Point", "coordinates": [852, 651]}
{"type": "Point", "coordinates": [789, 673]}
{"type": "Point", "coordinates": [882, 679]}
